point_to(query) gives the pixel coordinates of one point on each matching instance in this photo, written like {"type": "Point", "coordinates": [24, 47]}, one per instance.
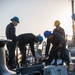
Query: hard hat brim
{"type": "Point", "coordinates": [15, 20]}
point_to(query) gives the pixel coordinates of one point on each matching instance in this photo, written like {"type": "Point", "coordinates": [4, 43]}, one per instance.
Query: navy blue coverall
{"type": "Point", "coordinates": [25, 39]}
{"type": "Point", "coordinates": [10, 34]}
{"type": "Point", "coordinates": [61, 31]}
{"type": "Point", "coordinates": [56, 40]}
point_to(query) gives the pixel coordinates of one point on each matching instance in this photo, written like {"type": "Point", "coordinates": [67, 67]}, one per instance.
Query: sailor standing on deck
{"type": "Point", "coordinates": [57, 41]}
{"type": "Point", "coordinates": [62, 33]}
{"type": "Point", "coordinates": [31, 39]}
{"type": "Point", "coordinates": [10, 34]}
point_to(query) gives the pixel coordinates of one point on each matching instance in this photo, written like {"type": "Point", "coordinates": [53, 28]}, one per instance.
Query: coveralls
{"type": "Point", "coordinates": [56, 40]}
{"type": "Point", "coordinates": [10, 34]}
{"type": "Point", "coordinates": [61, 31]}
{"type": "Point", "coordinates": [25, 39]}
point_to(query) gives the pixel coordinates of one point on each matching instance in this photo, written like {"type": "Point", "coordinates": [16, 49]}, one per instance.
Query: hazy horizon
{"type": "Point", "coordinates": [36, 16]}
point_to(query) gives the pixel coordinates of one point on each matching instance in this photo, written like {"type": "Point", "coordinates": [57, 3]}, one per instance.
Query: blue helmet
{"type": "Point", "coordinates": [73, 16]}
{"type": "Point", "coordinates": [47, 33]}
{"type": "Point", "coordinates": [15, 18]}
{"type": "Point", "coordinates": [40, 38]}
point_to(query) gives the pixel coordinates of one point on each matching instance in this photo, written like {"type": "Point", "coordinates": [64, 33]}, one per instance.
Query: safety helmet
{"type": "Point", "coordinates": [47, 33]}
{"type": "Point", "coordinates": [56, 23]}
{"type": "Point", "coordinates": [73, 16]}
{"type": "Point", "coordinates": [40, 38]}
{"type": "Point", "coordinates": [15, 18]}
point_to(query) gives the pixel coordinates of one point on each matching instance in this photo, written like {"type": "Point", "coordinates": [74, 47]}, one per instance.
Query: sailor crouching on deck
{"type": "Point", "coordinates": [58, 43]}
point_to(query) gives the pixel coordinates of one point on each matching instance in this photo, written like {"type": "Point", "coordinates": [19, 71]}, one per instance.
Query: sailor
{"type": "Point", "coordinates": [62, 32]}
{"type": "Point", "coordinates": [73, 20]}
{"type": "Point", "coordinates": [59, 29]}
{"type": "Point", "coordinates": [31, 39]}
{"type": "Point", "coordinates": [58, 43]}
{"type": "Point", "coordinates": [73, 16]}
{"type": "Point", "coordinates": [10, 34]}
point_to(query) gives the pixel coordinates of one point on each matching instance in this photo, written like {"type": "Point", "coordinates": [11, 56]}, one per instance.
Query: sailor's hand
{"type": "Point", "coordinates": [60, 45]}
{"type": "Point", "coordinates": [65, 40]}
{"type": "Point", "coordinates": [46, 57]}
{"type": "Point", "coordinates": [36, 60]}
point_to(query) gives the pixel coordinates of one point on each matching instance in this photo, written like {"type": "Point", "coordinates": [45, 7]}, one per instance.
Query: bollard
{"type": "Point", "coordinates": [3, 68]}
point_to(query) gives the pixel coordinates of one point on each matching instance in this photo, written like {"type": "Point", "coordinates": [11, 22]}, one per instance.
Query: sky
{"type": "Point", "coordinates": [36, 16]}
